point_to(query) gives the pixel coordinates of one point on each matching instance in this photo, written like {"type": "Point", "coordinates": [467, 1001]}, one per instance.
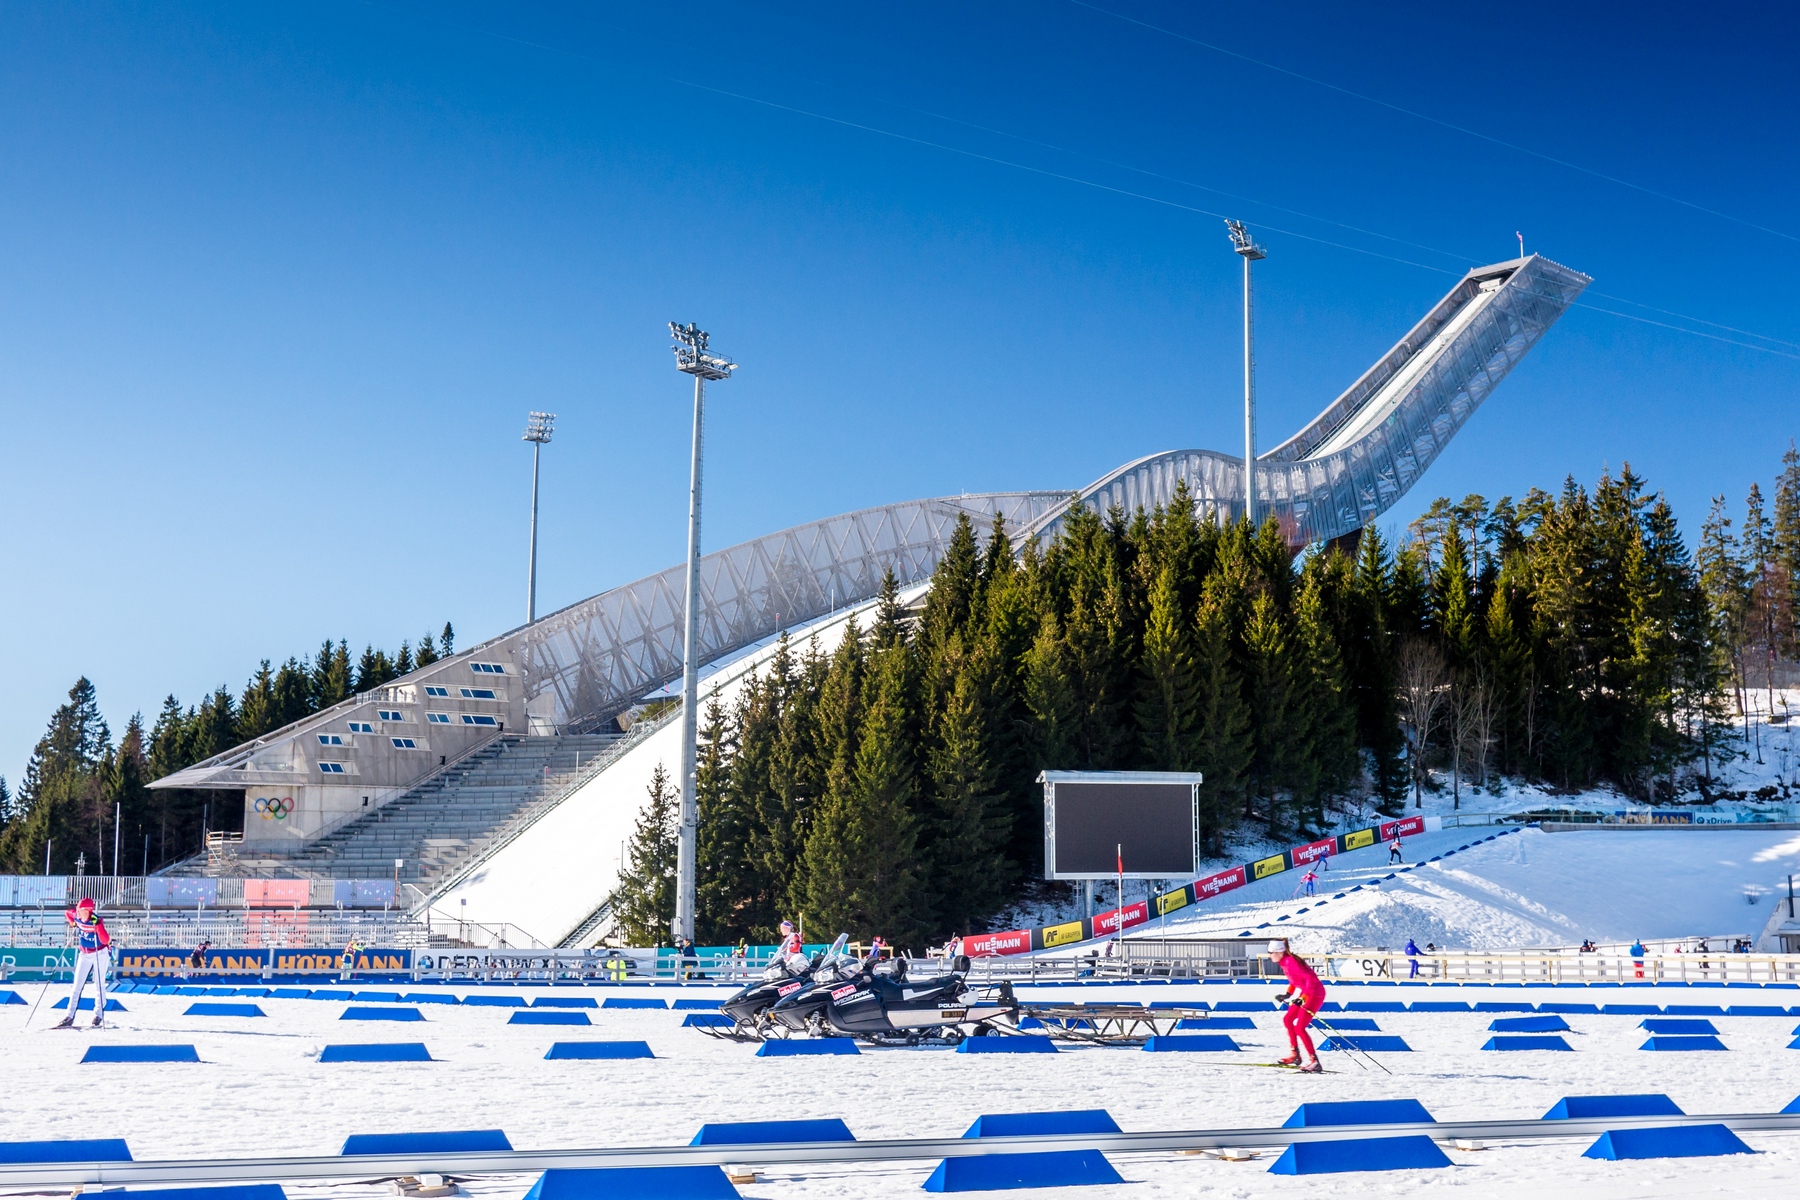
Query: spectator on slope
{"type": "Point", "coordinates": [90, 932]}
{"type": "Point", "coordinates": [1304, 997]}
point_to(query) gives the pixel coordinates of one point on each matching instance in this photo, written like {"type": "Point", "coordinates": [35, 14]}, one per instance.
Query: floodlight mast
{"type": "Point", "coordinates": [1250, 252]}
{"type": "Point", "coordinates": [537, 431]}
{"type": "Point", "coordinates": [692, 358]}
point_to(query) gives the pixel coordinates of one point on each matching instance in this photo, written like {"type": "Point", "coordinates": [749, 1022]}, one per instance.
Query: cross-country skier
{"type": "Point", "coordinates": [1304, 997]}
{"type": "Point", "coordinates": [90, 932]}
{"type": "Point", "coordinates": [1394, 855]}
{"type": "Point", "coordinates": [1309, 881]}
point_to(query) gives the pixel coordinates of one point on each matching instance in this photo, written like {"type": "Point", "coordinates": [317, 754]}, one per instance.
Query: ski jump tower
{"type": "Point", "coordinates": [573, 670]}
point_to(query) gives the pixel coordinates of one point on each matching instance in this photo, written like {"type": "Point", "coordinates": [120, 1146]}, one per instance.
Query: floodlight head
{"type": "Point", "coordinates": [540, 427]}
{"type": "Point", "coordinates": [1240, 241]}
{"type": "Point", "coordinates": [690, 353]}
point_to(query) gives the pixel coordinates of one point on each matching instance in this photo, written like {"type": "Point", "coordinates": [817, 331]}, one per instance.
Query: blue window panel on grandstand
{"type": "Point", "coordinates": [437, 691]}
{"type": "Point", "coordinates": [481, 668]}
{"type": "Point", "coordinates": [404, 743]}
{"type": "Point", "coordinates": [331, 768]}
{"type": "Point", "coordinates": [437, 718]}
{"type": "Point", "coordinates": [479, 694]}
{"type": "Point", "coordinates": [473, 719]}
{"type": "Point", "coordinates": [330, 739]}
{"type": "Point", "coordinates": [390, 714]}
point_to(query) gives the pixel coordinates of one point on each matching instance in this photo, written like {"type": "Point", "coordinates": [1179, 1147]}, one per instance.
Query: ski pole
{"type": "Point", "coordinates": [1349, 1044]}
{"type": "Point", "coordinates": [45, 991]}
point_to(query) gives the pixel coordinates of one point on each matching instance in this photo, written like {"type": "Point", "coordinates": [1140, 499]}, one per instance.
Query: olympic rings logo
{"type": "Point", "coordinates": [273, 808]}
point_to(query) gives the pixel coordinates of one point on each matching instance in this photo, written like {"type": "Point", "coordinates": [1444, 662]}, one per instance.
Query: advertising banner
{"type": "Point", "coordinates": [1065, 934]}
{"type": "Point", "coordinates": [171, 962]}
{"type": "Point", "coordinates": [1313, 851]}
{"type": "Point", "coordinates": [1114, 919]}
{"type": "Point", "coordinates": [1014, 941]}
{"type": "Point", "coordinates": [1357, 840]}
{"type": "Point", "coordinates": [22, 964]}
{"type": "Point", "coordinates": [1221, 881]}
{"type": "Point", "coordinates": [1275, 864]}
{"type": "Point", "coordinates": [1168, 902]}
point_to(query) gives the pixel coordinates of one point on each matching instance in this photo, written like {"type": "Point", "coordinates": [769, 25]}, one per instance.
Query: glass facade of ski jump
{"type": "Point", "coordinates": [575, 668]}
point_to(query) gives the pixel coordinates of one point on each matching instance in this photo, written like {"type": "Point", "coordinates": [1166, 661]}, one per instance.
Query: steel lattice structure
{"type": "Point", "coordinates": [573, 669]}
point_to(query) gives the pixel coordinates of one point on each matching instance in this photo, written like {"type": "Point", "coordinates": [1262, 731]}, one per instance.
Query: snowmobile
{"type": "Point", "coordinates": [749, 1008]}
{"type": "Point", "coordinates": [881, 1004]}
{"type": "Point", "coordinates": [803, 1010]}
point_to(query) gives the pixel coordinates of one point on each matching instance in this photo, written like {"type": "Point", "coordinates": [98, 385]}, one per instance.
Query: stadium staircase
{"type": "Point", "coordinates": [456, 816]}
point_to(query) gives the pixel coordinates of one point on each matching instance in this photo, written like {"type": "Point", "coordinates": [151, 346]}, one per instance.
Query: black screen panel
{"type": "Point", "coordinates": [1153, 821]}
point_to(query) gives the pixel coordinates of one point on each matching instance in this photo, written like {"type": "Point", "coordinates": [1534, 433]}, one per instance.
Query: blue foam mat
{"type": "Point", "coordinates": [1545, 1024]}
{"type": "Point", "coordinates": [706, 1020]}
{"type": "Point", "coordinates": [71, 1150]}
{"type": "Point", "coordinates": [481, 1001]}
{"type": "Point", "coordinates": [113, 1053]}
{"type": "Point", "coordinates": [87, 1004]}
{"type": "Point", "coordinates": [381, 1014]}
{"type": "Point", "coordinates": [1536, 1041]}
{"type": "Point", "coordinates": [1360, 1154]}
{"type": "Point", "coordinates": [745, 1133]}
{"type": "Point", "coordinates": [1373, 1044]}
{"type": "Point", "coordinates": [633, 1183]}
{"type": "Point", "coordinates": [213, 1008]}
{"type": "Point", "coordinates": [372, 1052]}
{"type": "Point", "coordinates": [1635, 1104]}
{"type": "Point", "coordinates": [548, 1016]}
{"type": "Point", "coordinates": [564, 1002]}
{"type": "Point", "coordinates": [456, 1141]}
{"type": "Point", "coordinates": [1003, 1172]}
{"type": "Point", "coordinates": [1190, 1043]}
{"type": "Point", "coordinates": [633, 1002]}
{"type": "Point", "coordinates": [1665, 1042]}
{"type": "Point", "coordinates": [1025, 1043]}
{"type": "Point", "coordinates": [789, 1047]}
{"type": "Point", "coordinates": [1033, 1124]}
{"type": "Point", "coordinates": [1686, 1025]}
{"type": "Point", "coordinates": [237, 1191]}
{"type": "Point", "coordinates": [1670, 1141]}
{"type": "Point", "coordinates": [1324, 1113]}
{"type": "Point", "coordinates": [599, 1050]}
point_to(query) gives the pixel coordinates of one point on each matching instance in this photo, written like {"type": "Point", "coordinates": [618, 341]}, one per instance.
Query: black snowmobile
{"type": "Point", "coordinates": [882, 1004]}
{"type": "Point", "coordinates": [749, 1008]}
{"type": "Point", "coordinates": [803, 1010]}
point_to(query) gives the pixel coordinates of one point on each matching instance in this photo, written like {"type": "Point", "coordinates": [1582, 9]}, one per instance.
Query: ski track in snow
{"type": "Point", "coordinates": [261, 1092]}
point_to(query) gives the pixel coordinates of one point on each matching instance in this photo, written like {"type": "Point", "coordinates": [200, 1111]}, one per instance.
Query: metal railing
{"type": "Point", "coordinates": [1574, 969]}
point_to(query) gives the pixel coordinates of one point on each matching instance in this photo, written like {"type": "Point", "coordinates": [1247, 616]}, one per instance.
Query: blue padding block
{"type": "Point", "coordinates": [1548, 1024]}
{"type": "Point", "coordinates": [1794, 1045]}
{"type": "Point", "coordinates": [73, 1150]}
{"type": "Point", "coordinates": [258, 992]}
{"type": "Point", "coordinates": [999, 1172]}
{"type": "Point", "coordinates": [634, 1002]}
{"type": "Point", "coordinates": [1025, 1043]}
{"type": "Point", "coordinates": [1179, 1004]}
{"type": "Point", "coordinates": [1677, 1025]}
{"type": "Point", "coordinates": [290, 993]}
{"type": "Point", "coordinates": [189, 990]}
{"type": "Point", "coordinates": [831, 1045]}
{"type": "Point", "coordinates": [1664, 1042]}
{"type": "Point", "coordinates": [376, 1052]}
{"type": "Point", "coordinates": [536, 1016]}
{"type": "Point", "coordinates": [455, 1141]}
{"type": "Point", "coordinates": [698, 1005]}
{"type": "Point", "coordinates": [1321, 1114]}
{"type": "Point", "coordinates": [745, 1133]}
{"type": "Point", "coordinates": [1177, 1042]}
{"type": "Point", "coordinates": [1439, 1006]}
{"type": "Point", "coordinates": [1381, 1006]}
{"type": "Point", "coordinates": [1794, 1104]}
{"type": "Point", "coordinates": [703, 1020]}
{"type": "Point", "coordinates": [600, 1050]}
{"type": "Point", "coordinates": [213, 1008]}
{"type": "Point", "coordinates": [1670, 1141]}
{"type": "Point", "coordinates": [564, 1002]}
{"type": "Point", "coordinates": [1503, 1006]}
{"type": "Point", "coordinates": [87, 1004]}
{"type": "Point", "coordinates": [146, 1054]}
{"type": "Point", "coordinates": [1033, 1124]}
{"type": "Point", "coordinates": [495, 1001]}
{"type": "Point", "coordinates": [332, 994]}
{"type": "Point", "coordinates": [1359, 1154]}
{"type": "Point", "coordinates": [382, 1014]}
{"type": "Point", "coordinates": [167, 989]}
{"type": "Point", "coordinates": [1243, 1006]}
{"type": "Point", "coordinates": [11, 998]}
{"type": "Point", "coordinates": [1364, 1042]}
{"type": "Point", "coordinates": [1756, 1010]}
{"type": "Point", "coordinates": [1034, 1023]}
{"type": "Point", "coordinates": [1640, 1104]}
{"type": "Point", "coordinates": [221, 991]}
{"type": "Point", "coordinates": [1215, 1023]}
{"type": "Point", "coordinates": [1539, 1041]}
{"type": "Point", "coordinates": [1693, 1010]}
{"type": "Point", "coordinates": [1591, 1010]}
{"type": "Point", "coordinates": [377, 997]}
{"type": "Point", "coordinates": [633, 1183]}
{"type": "Point", "coordinates": [430, 998]}
{"type": "Point", "coordinates": [1631, 1010]}
{"type": "Point", "coordinates": [236, 1191]}
{"type": "Point", "coordinates": [119, 988]}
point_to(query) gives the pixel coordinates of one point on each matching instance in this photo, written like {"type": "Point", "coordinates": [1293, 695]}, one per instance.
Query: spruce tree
{"type": "Point", "coordinates": [1223, 746]}
{"type": "Point", "coordinates": [798, 763]}
{"type": "Point", "coordinates": [1273, 699]}
{"type": "Point", "coordinates": [257, 712]}
{"type": "Point", "coordinates": [726, 887]}
{"type": "Point", "coordinates": [969, 869]}
{"type": "Point", "coordinates": [643, 906]}
{"type": "Point", "coordinates": [1167, 703]}
{"type": "Point", "coordinates": [428, 652]}
{"type": "Point", "coordinates": [447, 639]}
{"type": "Point", "coordinates": [1327, 761]}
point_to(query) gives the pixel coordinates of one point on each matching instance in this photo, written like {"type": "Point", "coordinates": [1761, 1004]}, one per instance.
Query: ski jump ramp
{"type": "Point", "coordinates": [573, 670]}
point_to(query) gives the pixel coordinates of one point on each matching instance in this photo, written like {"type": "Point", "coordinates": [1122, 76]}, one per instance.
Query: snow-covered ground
{"type": "Point", "coordinates": [261, 1091]}
{"type": "Point", "coordinates": [1524, 888]}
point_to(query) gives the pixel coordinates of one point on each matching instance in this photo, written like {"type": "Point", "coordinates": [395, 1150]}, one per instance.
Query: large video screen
{"type": "Point", "coordinates": [1090, 823]}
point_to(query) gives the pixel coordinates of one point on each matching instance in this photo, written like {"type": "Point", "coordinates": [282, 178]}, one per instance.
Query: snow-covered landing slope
{"type": "Point", "coordinates": [550, 878]}
{"type": "Point", "coordinates": [1528, 888]}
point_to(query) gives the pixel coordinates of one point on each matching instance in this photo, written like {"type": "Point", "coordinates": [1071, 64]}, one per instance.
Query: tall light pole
{"type": "Point", "coordinates": [692, 358]}
{"type": "Point", "coordinates": [1250, 252]}
{"type": "Point", "coordinates": [537, 432]}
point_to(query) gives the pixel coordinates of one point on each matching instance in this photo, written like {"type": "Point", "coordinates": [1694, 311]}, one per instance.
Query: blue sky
{"type": "Point", "coordinates": [282, 281]}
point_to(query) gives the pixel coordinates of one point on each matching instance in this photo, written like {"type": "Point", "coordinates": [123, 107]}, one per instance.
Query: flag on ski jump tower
{"type": "Point", "coordinates": [1022, 941]}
